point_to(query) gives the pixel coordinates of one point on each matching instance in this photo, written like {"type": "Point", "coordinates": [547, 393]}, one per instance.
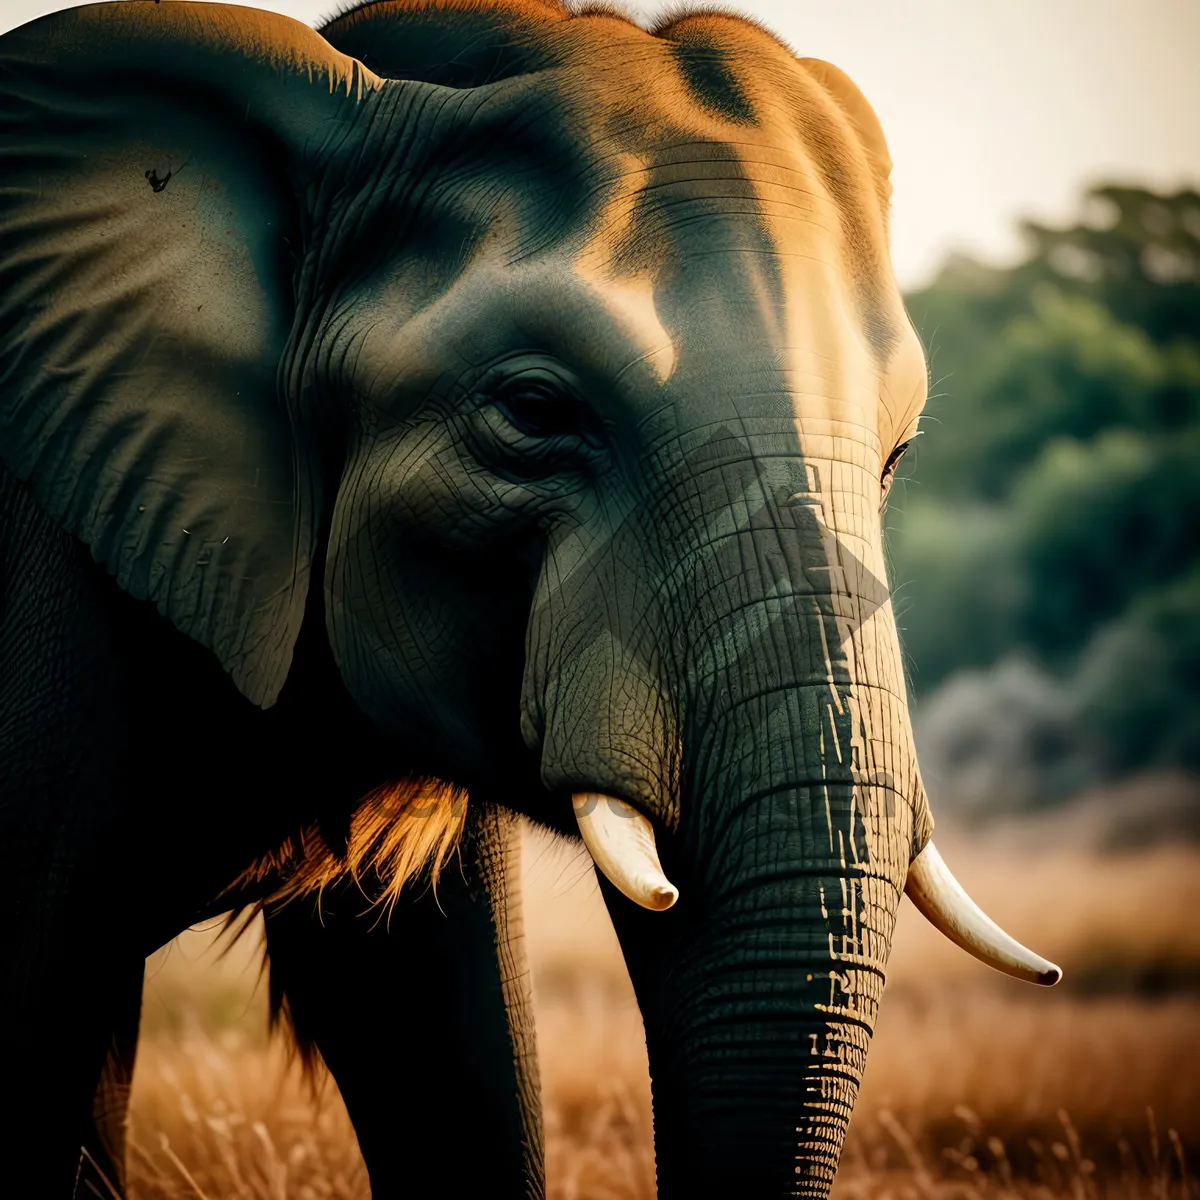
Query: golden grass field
{"type": "Point", "coordinates": [978, 1088]}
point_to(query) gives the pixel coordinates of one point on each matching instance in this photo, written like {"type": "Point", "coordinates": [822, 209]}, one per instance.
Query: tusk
{"type": "Point", "coordinates": [941, 899]}
{"type": "Point", "coordinates": [621, 843]}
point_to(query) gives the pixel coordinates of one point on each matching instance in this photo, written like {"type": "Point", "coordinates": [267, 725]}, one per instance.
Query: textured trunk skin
{"type": "Point", "coordinates": [755, 1079]}
{"type": "Point", "coordinates": [801, 807]}
{"type": "Point", "coordinates": [759, 1012]}
{"type": "Point", "coordinates": [807, 815]}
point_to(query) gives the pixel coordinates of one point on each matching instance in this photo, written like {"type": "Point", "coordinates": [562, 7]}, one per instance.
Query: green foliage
{"type": "Point", "coordinates": [1055, 511]}
{"type": "Point", "coordinates": [1138, 681]}
{"type": "Point", "coordinates": [1065, 366]}
{"type": "Point", "coordinates": [956, 589]}
{"type": "Point", "coordinates": [1097, 524]}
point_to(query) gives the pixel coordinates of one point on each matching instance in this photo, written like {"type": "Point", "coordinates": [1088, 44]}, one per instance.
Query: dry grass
{"type": "Point", "coordinates": [977, 1089]}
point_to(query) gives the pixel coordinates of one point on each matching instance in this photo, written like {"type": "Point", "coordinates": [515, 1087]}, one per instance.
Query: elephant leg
{"type": "Point", "coordinates": [424, 1020]}
{"type": "Point", "coordinates": [54, 1053]}
{"type": "Point", "coordinates": [103, 1165]}
{"type": "Point", "coordinates": [63, 949]}
{"type": "Point", "coordinates": [64, 998]}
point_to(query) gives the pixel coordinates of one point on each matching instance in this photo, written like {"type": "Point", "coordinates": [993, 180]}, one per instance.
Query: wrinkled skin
{"type": "Point", "coordinates": [489, 395]}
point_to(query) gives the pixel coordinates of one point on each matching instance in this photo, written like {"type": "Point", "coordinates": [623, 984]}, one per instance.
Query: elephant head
{"type": "Point", "coordinates": [558, 367]}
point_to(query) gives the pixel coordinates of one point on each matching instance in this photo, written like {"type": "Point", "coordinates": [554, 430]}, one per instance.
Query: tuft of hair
{"type": "Point", "coordinates": [399, 834]}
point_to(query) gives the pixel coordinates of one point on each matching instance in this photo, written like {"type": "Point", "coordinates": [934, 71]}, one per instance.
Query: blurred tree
{"type": "Point", "coordinates": [1054, 513]}
{"type": "Point", "coordinates": [956, 595]}
{"type": "Point", "coordinates": [1095, 526]}
{"type": "Point", "coordinates": [1138, 682]}
{"type": "Point", "coordinates": [1136, 253]}
{"type": "Point", "coordinates": [1003, 740]}
{"type": "Point", "coordinates": [1063, 366]}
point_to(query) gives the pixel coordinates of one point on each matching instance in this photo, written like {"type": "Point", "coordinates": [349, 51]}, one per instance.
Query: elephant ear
{"type": "Point", "coordinates": [153, 164]}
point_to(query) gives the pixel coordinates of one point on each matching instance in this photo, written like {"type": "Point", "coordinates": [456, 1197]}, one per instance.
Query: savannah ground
{"type": "Point", "coordinates": [978, 1087]}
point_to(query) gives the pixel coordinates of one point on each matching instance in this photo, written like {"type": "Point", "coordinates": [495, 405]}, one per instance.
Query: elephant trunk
{"type": "Point", "coordinates": [759, 1009]}
{"type": "Point", "coordinates": [801, 809]}
{"type": "Point", "coordinates": [750, 707]}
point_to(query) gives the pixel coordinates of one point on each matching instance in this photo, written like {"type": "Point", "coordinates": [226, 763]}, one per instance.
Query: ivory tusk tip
{"type": "Point", "coordinates": [621, 842]}
{"type": "Point", "coordinates": [941, 899]}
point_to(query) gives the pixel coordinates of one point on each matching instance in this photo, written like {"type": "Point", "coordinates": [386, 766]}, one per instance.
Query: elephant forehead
{"type": "Point", "coordinates": [713, 133]}
{"type": "Point", "coordinates": [728, 336]}
{"type": "Point", "coordinates": [751, 275]}
{"type": "Point", "coordinates": [697, 188]}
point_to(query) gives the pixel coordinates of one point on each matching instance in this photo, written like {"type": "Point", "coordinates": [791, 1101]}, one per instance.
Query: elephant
{"type": "Point", "coordinates": [471, 411]}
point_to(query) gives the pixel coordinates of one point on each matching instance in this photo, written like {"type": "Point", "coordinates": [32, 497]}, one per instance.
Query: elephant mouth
{"type": "Point", "coordinates": [622, 844]}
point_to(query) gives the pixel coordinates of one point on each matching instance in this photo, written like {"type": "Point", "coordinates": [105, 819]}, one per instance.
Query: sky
{"type": "Point", "coordinates": [992, 112]}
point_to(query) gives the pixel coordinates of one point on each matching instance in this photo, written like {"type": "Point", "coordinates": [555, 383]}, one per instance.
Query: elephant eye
{"type": "Point", "coordinates": [540, 410]}
{"type": "Point", "coordinates": [889, 469]}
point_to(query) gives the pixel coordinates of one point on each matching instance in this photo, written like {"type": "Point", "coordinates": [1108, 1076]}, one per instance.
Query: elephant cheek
{"type": "Point", "coordinates": [426, 652]}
